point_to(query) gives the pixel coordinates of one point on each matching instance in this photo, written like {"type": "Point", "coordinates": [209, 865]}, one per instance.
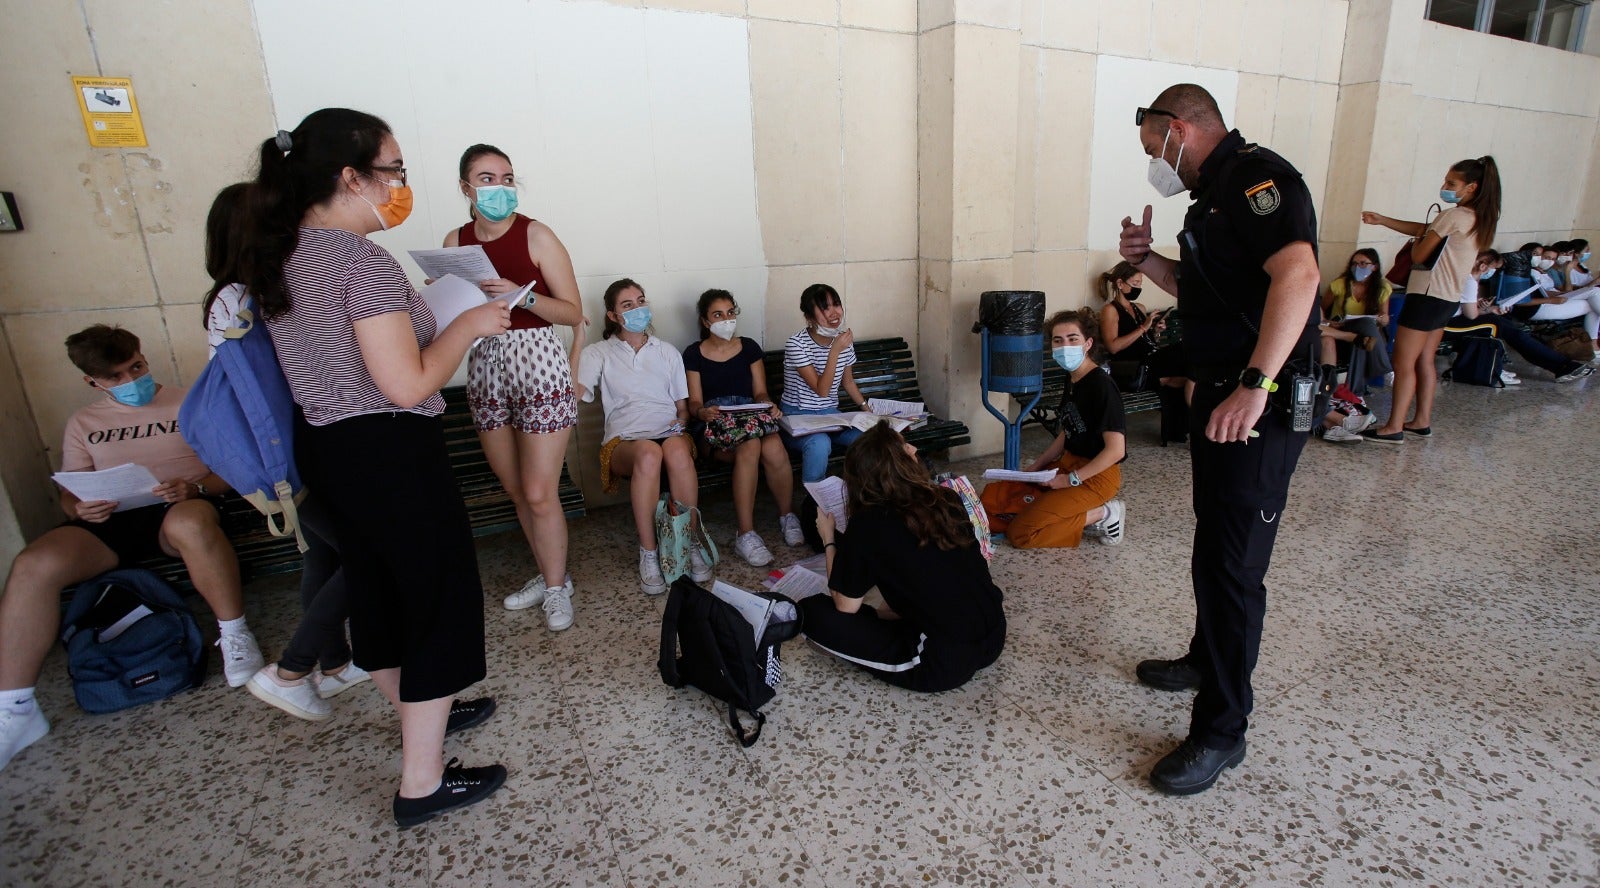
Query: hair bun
{"type": "Point", "coordinates": [284, 141]}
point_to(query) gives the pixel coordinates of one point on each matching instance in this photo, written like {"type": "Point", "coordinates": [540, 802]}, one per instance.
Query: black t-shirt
{"type": "Point", "coordinates": [719, 379]}
{"type": "Point", "coordinates": [1089, 408]}
{"type": "Point", "coordinates": [1127, 322]}
{"type": "Point", "coordinates": [1249, 203]}
{"type": "Point", "coordinates": [947, 595]}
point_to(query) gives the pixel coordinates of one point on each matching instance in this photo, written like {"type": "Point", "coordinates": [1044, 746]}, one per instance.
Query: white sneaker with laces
{"type": "Point", "coordinates": [750, 547]}
{"type": "Point", "coordinates": [558, 606]}
{"type": "Point", "coordinates": [793, 535]}
{"type": "Point", "coordinates": [531, 593]}
{"type": "Point", "coordinates": [1579, 372]}
{"type": "Point", "coordinates": [332, 684]}
{"type": "Point", "coordinates": [18, 731]}
{"type": "Point", "coordinates": [241, 657]}
{"type": "Point", "coordinates": [699, 568]}
{"type": "Point", "coordinates": [1341, 435]}
{"type": "Point", "coordinates": [650, 578]}
{"type": "Point", "coordinates": [1509, 378]}
{"type": "Point", "coordinates": [299, 698]}
{"type": "Point", "coordinates": [1115, 522]}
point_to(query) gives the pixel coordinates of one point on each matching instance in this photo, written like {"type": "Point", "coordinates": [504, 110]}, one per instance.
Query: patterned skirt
{"type": "Point", "coordinates": [521, 378]}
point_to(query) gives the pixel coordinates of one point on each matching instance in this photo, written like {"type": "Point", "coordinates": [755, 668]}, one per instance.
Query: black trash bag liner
{"type": "Point", "coordinates": [1011, 312]}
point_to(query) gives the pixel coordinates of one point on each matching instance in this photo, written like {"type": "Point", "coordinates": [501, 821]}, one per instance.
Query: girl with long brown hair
{"type": "Point", "coordinates": [911, 539]}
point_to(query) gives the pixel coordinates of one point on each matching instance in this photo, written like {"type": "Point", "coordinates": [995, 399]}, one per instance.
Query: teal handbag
{"type": "Point", "coordinates": [679, 531]}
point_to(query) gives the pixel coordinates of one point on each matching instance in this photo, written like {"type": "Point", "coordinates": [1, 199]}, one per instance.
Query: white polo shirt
{"type": "Point", "coordinates": [639, 390]}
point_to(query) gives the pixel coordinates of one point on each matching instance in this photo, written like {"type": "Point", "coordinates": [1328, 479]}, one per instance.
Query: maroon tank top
{"type": "Point", "coordinates": [509, 253]}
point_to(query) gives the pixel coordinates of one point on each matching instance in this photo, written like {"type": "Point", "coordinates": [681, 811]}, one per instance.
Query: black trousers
{"type": "Point", "coordinates": [324, 600]}
{"type": "Point", "coordinates": [896, 651]}
{"type": "Point", "coordinates": [1240, 491]}
{"type": "Point", "coordinates": [416, 602]}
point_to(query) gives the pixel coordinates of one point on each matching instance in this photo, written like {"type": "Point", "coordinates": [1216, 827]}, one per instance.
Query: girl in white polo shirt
{"type": "Point", "coordinates": [645, 396]}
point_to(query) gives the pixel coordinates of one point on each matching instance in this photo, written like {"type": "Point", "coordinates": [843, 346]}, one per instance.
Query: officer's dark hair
{"type": "Point", "coordinates": [617, 288]}
{"type": "Point", "coordinates": [1191, 103]}
{"type": "Point", "coordinates": [1369, 303]}
{"type": "Point", "coordinates": [1485, 201]}
{"type": "Point", "coordinates": [704, 306]}
{"type": "Point", "coordinates": [468, 158]}
{"type": "Point", "coordinates": [1122, 271]}
{"type": "Point", "coordinates": [818, 296]}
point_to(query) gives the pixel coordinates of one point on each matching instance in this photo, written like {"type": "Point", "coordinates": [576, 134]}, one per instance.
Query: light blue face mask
{"type": "Point", "coordinates": [1070, 357]}
{"type": "Point", "coordinates": [1448, 196]}
{"type": "Point", "coordinates": [636, 320]}
{"type": "Point", "coordinates": [1585, 257]}
{"type": "Point", "coordinates": [1361, 272]}
{"type": "Point", "coordinates": [135, 392]}
{"type": "Point", "coordinates": [496, 202]}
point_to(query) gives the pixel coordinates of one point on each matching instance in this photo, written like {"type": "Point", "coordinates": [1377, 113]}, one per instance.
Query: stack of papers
{"type": "Point", "coordinates": [744, 408]}
{"type": "Point", "coordinates": [799, 583]}
{"type": "Point", "coordinates": [833, 497]}
{"type": "Point", "coordinates": [468, 263]}
{"type": "Point", "coordinates": [833, 422]}
{"type": "Point", "coordinates": [128, 485]}
{"type": "Point", "coordinates": [1043, 477]}
{"type": "Point", "coordinates": [754, 608]}
{"type": "Point", "coordinates": [449, 297]}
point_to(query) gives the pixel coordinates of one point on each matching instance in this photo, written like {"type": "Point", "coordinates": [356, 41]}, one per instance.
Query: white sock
{"type": "Point", "coordinates": [233, 627]}
{"type": "Point", "coordinates": [19, 701]}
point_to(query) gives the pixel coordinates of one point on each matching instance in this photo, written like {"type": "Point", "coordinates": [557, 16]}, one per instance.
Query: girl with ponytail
{"type": "Point", "coordinates": [364, 359]}
{"type": "Point", "coordinates": [1471, 189]}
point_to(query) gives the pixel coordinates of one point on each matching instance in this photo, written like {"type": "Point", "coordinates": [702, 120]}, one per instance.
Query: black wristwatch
{"type": "Point", "coordinates": [1254, 378]}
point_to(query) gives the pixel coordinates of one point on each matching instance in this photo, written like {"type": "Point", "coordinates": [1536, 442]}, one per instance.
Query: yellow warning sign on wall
{"type": "Point", "coordinates": [110, 112]}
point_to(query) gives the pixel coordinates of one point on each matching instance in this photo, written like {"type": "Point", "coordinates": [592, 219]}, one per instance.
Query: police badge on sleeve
{"type": "Point", "coordinates": [1263, 198]}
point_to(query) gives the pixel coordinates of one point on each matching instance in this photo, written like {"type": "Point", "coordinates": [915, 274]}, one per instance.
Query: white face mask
{"type": "Point", "coordinates": [1564, 259]}
{"type": "Point", "coordinates": [724, 329]}
{"type": "Point", "coordinates": [1163, 176]}
{"type": "Point", "coordinates": [1545, 263]}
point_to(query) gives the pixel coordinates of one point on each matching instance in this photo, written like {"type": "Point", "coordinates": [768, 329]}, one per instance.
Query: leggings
{"type": "Point", "coordinates": [319, 639]}
{"type": "Point", "coordinates": [1584, 303]}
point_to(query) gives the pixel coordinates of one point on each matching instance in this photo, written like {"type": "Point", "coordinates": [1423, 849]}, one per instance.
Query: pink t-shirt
{"type": "Point", "coordinates": [107, 434]}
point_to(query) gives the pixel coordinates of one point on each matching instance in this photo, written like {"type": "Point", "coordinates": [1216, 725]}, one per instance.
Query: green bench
{"type": "Point", "coordinates": [1047, 411]}
{"type": "Point", "coordinates": [884, 368]}
{"type": "Point", "coordinates": [489, 507]}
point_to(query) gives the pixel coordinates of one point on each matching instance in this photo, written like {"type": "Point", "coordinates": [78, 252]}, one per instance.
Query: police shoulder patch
{"type": "Point", "coordinates": [1264, 197]}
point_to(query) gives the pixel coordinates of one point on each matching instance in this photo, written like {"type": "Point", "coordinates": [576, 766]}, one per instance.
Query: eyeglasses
{"type": "Point", "coordinates": [1140, 114]}
{"type": "Point", "coordinates": [397, 170]}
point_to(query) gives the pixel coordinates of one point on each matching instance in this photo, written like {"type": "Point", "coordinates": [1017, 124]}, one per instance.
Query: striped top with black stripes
{"type": "Point", "coordinates": [336, 278]}
{"type": "Point", "coordinates": [803, 351]}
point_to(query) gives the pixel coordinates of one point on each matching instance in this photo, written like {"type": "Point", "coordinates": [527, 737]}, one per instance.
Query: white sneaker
{"type": "Point", "coordinates": [750, 547]}
{"type": "Point", "coordinates": [332, 684]}
{"type": "Point", "coordinates": [299, 698]}
{"type": "Point", "coordinates": [793, 535]}
{"type": "Point", "coordinates": [531, 593]}
{"type": "Point", "coordinates": [1341, 435]}
{"type": "Point", "coordinates": [650, 578]}
{"type": "Point", "coordinates": [1388, 379]}
{"type": "Point", "coordinates": [1115, 522]}
{"type": "Point", "coordinates": [1509, 378]}
{"type": "Point", "coordinates": [699, 568]}
{"type": "Point", "coordinates": [18, 732]}
{"type": "Point", "coordinates": [241, 657]}
{"type": "Point", "coordinates": [1579, 372]}
{"type": "Point", "coordinates": [558, 606]}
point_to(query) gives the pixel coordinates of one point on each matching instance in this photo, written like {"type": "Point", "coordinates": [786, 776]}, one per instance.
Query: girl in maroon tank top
{"type": "Point", "coordinates": [519, 386]}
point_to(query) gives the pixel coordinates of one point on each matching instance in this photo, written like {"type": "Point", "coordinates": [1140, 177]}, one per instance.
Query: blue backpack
{"type": "Point", "coordinates": [130, 639]}
{"type": "Point", "coordinates": [239, 418]}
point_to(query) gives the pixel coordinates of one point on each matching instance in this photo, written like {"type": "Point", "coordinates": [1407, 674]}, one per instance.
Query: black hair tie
{"type": "Point", "coordinates": [284, 141]}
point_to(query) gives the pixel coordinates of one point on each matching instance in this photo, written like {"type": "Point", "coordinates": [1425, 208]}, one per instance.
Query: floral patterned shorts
{"type": "Point", "coordinates": [521, 378]}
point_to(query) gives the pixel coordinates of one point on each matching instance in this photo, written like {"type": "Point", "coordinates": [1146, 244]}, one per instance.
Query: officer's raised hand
{"type": "Point", "coordinates": [1237, 415]}
{"type": "Point", "coordinates": [1136, 240]}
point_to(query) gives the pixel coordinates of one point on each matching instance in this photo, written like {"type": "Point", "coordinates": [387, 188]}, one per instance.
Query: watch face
{"type": "Point", "coordinates": [1251, 378]}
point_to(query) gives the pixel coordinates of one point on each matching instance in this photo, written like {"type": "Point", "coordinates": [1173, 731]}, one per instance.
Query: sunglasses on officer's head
{"type": "Point", "coordinates": [1139, 115]}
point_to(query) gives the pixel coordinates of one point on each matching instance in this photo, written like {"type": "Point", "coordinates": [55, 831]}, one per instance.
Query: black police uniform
{"type": "Point", "coordinates": [1249, 203]}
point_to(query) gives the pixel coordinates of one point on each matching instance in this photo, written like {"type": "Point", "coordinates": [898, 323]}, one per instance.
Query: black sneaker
{"type": "Point", "coordinates": [459, 788]}
{"type": "Point", "coordinates": [466, 714]}
{"type": "Point", "coordinates": [1168, 675]}
{"type": "Point", "coordinates": [1192, 768]}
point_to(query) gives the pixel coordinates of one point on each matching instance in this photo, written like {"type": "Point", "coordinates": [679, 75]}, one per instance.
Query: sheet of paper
{"type": "Point", "coordinates": [799, 584]}
{"type": "Point", "coordinates": [744, 408]}
{"type": "Point", "coordinates": [449, 296]}
{"type": "Point", "coordinates": [751, 606]}
{"type": "Point", "coordinates": [832, 497]}
{"type": "Point", "coordinates": [1010, 475]}
{"type": "Point", "coordinates": [890, 407]}
{"type": "Point", "coordinates": [669, 432]}
{"type": "Point", "coordinates": [865, 421]}
{"type": "Point", "coordinates": [468, 263]}
{"type": "Point", "coordinates": [127, 485]}
{"type": "Point", "coordinates": [810, 425]}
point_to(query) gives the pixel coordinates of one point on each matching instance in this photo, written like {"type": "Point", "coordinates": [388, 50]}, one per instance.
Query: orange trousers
{"type": "Point", "coordinates": [1046, 518]}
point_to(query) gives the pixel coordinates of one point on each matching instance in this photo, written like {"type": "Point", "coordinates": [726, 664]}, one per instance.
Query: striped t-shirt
{"type": "Point", "coordinates": [803, 351]}
{"type": "Point", "coordinates": [334, 279]}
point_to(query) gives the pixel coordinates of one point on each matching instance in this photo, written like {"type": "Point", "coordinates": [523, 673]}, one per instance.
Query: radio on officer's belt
{"type": "Point", "coordinates": [1303, 390]}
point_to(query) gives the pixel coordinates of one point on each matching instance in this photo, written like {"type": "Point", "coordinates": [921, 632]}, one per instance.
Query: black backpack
{"type": "Point", "coordinates": [130, 639]}
{"type": "Point", "coordinates": [708, 643]}
{"type": "Point", "coordinates": [1478, 361]}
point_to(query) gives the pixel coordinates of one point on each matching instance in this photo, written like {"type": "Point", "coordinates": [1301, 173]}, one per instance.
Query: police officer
{"type": "Point", "coordinates": [1247, 279]}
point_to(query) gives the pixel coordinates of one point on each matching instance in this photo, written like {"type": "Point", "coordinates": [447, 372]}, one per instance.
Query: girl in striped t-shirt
{"type": "Point", "coordinates": [816, 361]}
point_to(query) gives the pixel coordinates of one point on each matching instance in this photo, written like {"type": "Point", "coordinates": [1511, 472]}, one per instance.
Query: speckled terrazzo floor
{"type": "Point", "coordinates": [1428, 699]}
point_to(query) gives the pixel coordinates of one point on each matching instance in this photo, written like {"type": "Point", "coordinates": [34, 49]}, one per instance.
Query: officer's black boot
{"type": "Point", "coordinates": [1192, 768]}
{"type": "Point", "coordinates": [1174, 415]}
{"type": "Point", "coordinates": [1168, 675]}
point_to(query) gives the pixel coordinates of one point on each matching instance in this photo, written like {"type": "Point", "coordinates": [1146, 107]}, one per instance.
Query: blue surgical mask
{"type": "Point", "coordinates": [1361, 272]}
{"type": "Point", "coordinates": [135, 392]}
{"type": "Point", "coordinates": [636, 320]}
{"type": "Point", "coordinates": [496, 202]}
{"type": "Point", "coordinates": [1584, 257]}
{"type": "Point", "coordinates": [1448, 196]}
{"type": "Point", "coordinates": [1486, 275]}
{"type": "Point", "coordinates": [1070, 357]}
